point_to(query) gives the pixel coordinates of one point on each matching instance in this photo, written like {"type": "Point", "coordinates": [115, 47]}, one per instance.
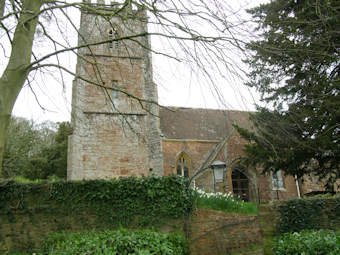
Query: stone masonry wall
{"type": "Point", "coordinates": [198, 151]}
{"type": "Point", "coordinates": [216, 233]}
{"type": "Point", "coordinates": [208, 232]}
{"type": "Point", "coordinates": [114, 133]}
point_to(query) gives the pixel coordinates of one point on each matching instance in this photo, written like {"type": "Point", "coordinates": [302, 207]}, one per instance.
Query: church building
{"type": "Point", "coordinates": [119, 130]}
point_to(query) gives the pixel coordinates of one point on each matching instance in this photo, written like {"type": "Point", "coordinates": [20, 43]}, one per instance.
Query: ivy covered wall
{"type": "Point", "coordinates": [29, 212]}
{"type": "Point", "coordinates": [296, 215]}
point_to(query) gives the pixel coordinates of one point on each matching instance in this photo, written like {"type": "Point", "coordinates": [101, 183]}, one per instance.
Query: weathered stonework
{"type": "Point", "coordinates": [115, 128]}
{"type": "Point", "coordinates": [213, 232]}
{"type": "Point", "coordinates": [197, 131]}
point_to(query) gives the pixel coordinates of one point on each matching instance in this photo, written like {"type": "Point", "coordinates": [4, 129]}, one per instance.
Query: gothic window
{"type": "Point", "coordinates": [113, 35]}
{"type": "Point", "coordinates": [183, 164]}
{"type": "Point", "coordinates": [277, 180]}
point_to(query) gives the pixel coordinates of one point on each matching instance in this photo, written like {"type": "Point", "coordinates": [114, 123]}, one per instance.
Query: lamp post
{"type": "Point", "coordinates": [218, 171]}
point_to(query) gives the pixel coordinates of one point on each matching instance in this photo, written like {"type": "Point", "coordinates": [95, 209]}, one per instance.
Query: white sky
{"type": "Point", "coordinates": [177, 86]}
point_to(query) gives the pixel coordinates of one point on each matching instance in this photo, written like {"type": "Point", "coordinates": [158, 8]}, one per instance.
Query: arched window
{"type": "Point", "coordinates": [183, 164]}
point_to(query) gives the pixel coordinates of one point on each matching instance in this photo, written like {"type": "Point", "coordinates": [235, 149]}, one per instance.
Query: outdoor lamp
{"type": "Point", "coordinates": [218, 171]}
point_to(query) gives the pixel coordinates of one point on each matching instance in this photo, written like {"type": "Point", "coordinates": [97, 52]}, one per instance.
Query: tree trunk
{"type": "Point", "coordinates": [2, 8]}
{"type": "Point", "coordinates": [15, 74]}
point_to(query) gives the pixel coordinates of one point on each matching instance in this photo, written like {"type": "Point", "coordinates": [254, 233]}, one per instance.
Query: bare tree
{"type": "Point", "coordinates": [2, 7]}
{"type": "Point", "coordinates": [203, 33]}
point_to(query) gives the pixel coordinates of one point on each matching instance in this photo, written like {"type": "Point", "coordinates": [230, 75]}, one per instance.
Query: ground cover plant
{"type": "Point", "coordinates": [121, 241]}
{"type": "Point", "coordinates": [308, 242]}
{"type": "Point", "coordinates": [224, 202]}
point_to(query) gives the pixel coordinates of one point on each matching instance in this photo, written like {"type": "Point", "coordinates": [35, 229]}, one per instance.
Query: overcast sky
{"type": "Point", "coordinates": [177, 86]}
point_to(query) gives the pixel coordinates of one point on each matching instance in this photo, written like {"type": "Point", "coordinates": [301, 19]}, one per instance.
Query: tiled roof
{"type": "Point", "coordinates": [200, 124]}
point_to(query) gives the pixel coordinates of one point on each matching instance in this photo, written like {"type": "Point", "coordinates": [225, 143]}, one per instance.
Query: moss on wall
{"type": "Point", "coordinates": [29, 212]}
{"type": "Point", "coordinates": [296, 215]}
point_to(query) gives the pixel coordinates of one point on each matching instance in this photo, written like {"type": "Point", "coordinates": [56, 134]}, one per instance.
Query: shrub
{"type": "Point", "coordinates": [224, 202]}
{"type": "Point", "coordinates": [35, 151]}
{"type": "Point", "coordinates": [122, 241]}
{"type": "Point", "coordinates": [308, 242]}
{"type": "Point", "coordinates": [312, 213]}
{"type": "Point", "coordinates": [124, 201]}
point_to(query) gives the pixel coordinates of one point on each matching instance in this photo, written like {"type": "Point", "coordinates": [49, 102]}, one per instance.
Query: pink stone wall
{"type": "Point", "coordinates": [113, 133]}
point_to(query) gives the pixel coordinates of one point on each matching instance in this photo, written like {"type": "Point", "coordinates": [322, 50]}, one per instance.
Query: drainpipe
{"type": "Point", "coordinates": [297, 186]}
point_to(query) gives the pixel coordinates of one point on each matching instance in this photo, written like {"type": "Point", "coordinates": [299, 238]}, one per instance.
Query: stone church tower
{"type": "Point", "coordinates": [115, 133]}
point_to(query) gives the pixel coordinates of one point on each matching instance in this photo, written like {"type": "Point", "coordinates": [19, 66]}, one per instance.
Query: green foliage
{"type": "Point", "coordinates": [50, 179]}
{"type": "Point", "coordinates": [122, 241]}
{"type": "Point", "coordinates": [36, 151]}
{"type": "Point", "coordinates": [295, 66]}
{"type": "Point", "coordinates": [23, 140]}
{"type": "Point", "coordinates": [299, 214]}
{"type": "Point", "coordinates": [308, 242]}
{"type": "Point", "coordinates": [224, 203]}
{"type": "Point", "coordinates": [124, 201]}
{"type": "Point", "coordinates": [52, 160]}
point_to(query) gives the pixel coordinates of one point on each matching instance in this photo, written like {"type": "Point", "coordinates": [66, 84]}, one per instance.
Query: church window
{"type": "Point", "coordinates": [183, 164]}
{"type": "Point", "coordinates": [277, 180]}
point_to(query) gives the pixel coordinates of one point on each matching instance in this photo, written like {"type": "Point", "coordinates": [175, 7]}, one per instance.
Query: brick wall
{"type": "Point", "coordinates": [216, 233]}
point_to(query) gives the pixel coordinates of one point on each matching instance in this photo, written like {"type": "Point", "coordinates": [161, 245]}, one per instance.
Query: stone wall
{"type": "Point", "coordinates": [268, 216]}
{"type": "Point", "coordinates": [303, 214]}
{"type": "Point", "coordinates": [209, 232]}
{"type": "Point", "coordinates": [114, 133]}
{"type": "Point", "coordinates": [198, 150]}
{"type": "Point", "coordinates": [30, 212]}
{"type": "Point", "coordinates": [217, 233]}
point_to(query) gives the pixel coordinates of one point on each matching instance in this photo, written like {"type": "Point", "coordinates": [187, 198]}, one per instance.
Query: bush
{"type": "Point", "coordinates": [122, 241]}
{"type": "Point", "coordinates": [125, 201]}
{"type": "Point", "coordinates": [224, 202]}
{"type": "Point", "coordinates": [308, 242]}
{"type": "Point", "coordinates": [312, 213]}
{"type": "Point", "coordinates": [35, 151]}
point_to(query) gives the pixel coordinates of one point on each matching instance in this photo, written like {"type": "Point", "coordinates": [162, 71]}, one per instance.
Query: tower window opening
{"type": "Point", "coordinates": [110, 38]}
{"type": "Point", "coordinates": [113, 35]}
{"type": "Point", "coordinates": [114, 93]}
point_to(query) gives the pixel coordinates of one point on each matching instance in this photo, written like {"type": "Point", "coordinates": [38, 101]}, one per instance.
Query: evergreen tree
{"type": "Point", "coordinates": [36, 151]}
{"type": "Point", "coordinates": [51, 161]}
{"type": "Point", "coordinates": [295, 65]}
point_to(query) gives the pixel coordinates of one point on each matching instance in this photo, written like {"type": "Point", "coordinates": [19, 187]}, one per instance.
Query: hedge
{"type": "Point", "coordinates": [121, 199]}
{"type": "Point", "coordinates": [311, 213]}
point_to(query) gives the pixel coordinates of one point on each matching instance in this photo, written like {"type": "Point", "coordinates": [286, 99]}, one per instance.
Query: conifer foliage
{"type": "Point", "coordinates": [295, 65]}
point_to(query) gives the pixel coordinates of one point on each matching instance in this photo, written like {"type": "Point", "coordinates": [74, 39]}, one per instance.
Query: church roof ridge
{"type": "Point", "coordinates": [206, 109]}
{"type": "Point", "coordinates": [200, 123]}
